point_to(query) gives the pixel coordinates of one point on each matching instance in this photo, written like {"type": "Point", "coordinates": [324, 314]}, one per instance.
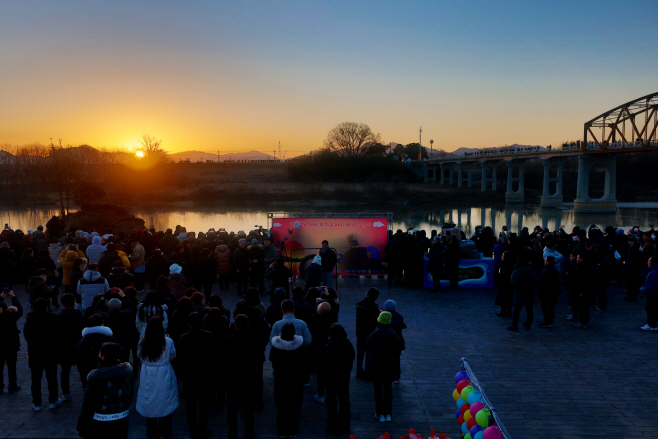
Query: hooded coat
{"type": "Point", "coordinates": [177, 284]}
{"type": "Point", "coordinates": [223, 257]}
{"type": "Point", "coordinates": [86, 352]}
{"type": "Point", "coordinates": [67, 265]}
{"type": "Point", "coordinates": [95, 250]}
{"type": "Point", "coordinates": [91, 284]}
{"type": "Point", "coordinates": [338, 357]}
{"type": "Point", "coordinates": [314, 274]}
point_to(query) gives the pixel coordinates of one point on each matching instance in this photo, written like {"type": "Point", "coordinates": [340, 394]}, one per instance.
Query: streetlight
{"type": "Point", "coordinates": [432, 148]}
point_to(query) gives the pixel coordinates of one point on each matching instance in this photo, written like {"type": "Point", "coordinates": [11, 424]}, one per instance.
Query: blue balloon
{"type": "Point", "coordinates": [474, 397]}
{"type": "Point", "coordinates": [461, 375]}
{"type": "Point", "coordinates": [460, 403]}
{"type": "Point", "coordinates": [479, 434]}
{"type": "Point", "coordinates": [464, 427]}
{"type": "Point", "coordinates": [459, 412]}
{"type": "Point", "coordinates": [476, 428]}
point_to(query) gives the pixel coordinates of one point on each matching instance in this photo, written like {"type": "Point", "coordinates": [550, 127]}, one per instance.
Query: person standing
{"type": "Point", "coordinates": [367, 312]}
{"type": "Point", "coordinates": [10, 342]}
{"type": "Point", "coordinates": [138, 263]}
{"type": "Point", "coordinates": [338, 358]}
{"type": "Point", "coordinates": [323, 318]}
{"type": "Point", "coordinates": [41, 331]}
{"type": "Point", "coordinates": [243, 357]}
{"type": "Point", "coordinates": [271, 256]}
{"type": "Point", "coordinates": [196, 365]}
{"type": "Point", "coordinates": [329, 260]}
{"type": "Point", "coordinates": [651, 289]}
{"type": "Point", "coordinates": [157, 397]}
{"type": "Point", "coordinates": [549, 288]}
{"type": "Point", "coordinates": [524, 282]}
{"type": "Point", "coordinates": [241, 265]}
{"type": "Point", "coordinates": [86, 351]}
{"type": "Point", "coordinates": [107, 398]}
{"type": "Point", "coordinates": [71, 322]}
{"type": "Point", "coordinates": [287, 365]}
{"type": "Point", "coordinates": [435, 265]}
{"type": "Point", "coordinates": [223, 257]}
{"type": "Point", "coordinates": [383, 346]}
{"type": "Point", "coordinates": [314, 274]}
{"type": "Point", "coordinates": [397, 323]}
{"type": "Point", "coordinates": [91, 285]}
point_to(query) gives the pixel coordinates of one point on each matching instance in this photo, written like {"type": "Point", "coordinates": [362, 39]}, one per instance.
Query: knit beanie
{"type": "Point", "coordinates": [389, 305]}
{"type": "Point", "coordinates": [384, 318]}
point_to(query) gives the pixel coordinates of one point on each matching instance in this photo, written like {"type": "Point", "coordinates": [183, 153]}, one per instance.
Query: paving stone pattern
{"type": "Point", "coordinates": [546, 383]}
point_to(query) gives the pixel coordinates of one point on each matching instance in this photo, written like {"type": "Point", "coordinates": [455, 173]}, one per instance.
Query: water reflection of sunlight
{"type": "Point", "coordinates": [427, 219]}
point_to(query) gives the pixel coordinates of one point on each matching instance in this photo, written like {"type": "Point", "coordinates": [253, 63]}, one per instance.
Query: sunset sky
{"type": "Point", "coordinates": [239, 76]}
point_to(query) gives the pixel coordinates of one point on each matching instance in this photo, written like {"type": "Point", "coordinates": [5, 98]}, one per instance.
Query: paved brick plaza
{"type": "Point", "coordinates": [546, 383]}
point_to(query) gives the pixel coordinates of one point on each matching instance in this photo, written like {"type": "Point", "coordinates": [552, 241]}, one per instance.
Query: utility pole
{"type": "Point", "coordinates": [420, 143]}
{"type": "Point", "coordinates": [279, 150]}
{"type": "Point", "coordinates": [217, 156]}
{"type": "Point", "coordinates": [432, 148]}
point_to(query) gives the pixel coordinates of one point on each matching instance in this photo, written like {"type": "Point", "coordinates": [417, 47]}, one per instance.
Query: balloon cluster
{"type": "Point", "coordinates": [475, 419]}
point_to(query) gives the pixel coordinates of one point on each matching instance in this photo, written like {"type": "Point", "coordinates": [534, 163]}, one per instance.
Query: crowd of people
{"type": "Point", "coordinates": [542, 264]}
{"type": "Point", "coordinates": [180, 342]}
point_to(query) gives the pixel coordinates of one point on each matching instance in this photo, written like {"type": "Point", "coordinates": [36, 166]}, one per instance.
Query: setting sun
{"type": "Point", "coordinates": [139, 154]}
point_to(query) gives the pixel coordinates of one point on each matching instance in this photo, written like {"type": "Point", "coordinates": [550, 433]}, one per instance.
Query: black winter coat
{"type": "Point", "coordinates": [109, 392]}
{"type": "Point", "coordinates": [338, 358]}
{"type": "Point", "coordinates": [524, 282]}
{"type": "Point", "coordinates": [196, 357]}
{"type": "Point", "coordinates": [71, 323]}
{"type": "Point", "coordinates": [243, 357]}
{"type": "Point", "coordinates": [367, 312]}
{"type": "Point", "coordinates": [42, 332]}
{"type": "Point", "coordinates": [10, 334]}
{"type": "Point", "coordinates": [382, 347]}
{"type": "Point", "coordinates": [86, 352]}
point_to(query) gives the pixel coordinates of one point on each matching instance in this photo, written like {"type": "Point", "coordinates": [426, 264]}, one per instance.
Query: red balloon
{"type": "Point", "coordinates": [464, 408]}
{"type": "Point", "coordinates": [462, 384]}
{"type": "Point", "coordinates": [471, 423]}
{"type": "Point", "coordinates": [461, 420]}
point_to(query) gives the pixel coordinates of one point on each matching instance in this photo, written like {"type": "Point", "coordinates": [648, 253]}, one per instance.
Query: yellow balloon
{"type": "Point", "coordinates": [467, 415]}
{"type": "Point", "coordinates": [455, 395]}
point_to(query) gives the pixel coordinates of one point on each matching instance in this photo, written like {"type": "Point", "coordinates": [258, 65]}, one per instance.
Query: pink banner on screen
{"type": "Point", "coordinates": [359, 242]}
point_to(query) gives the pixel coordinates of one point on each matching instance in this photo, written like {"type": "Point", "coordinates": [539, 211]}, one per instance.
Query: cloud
{"type": "Point", "coordinates": [277, 225]}
{"type": "Point", "coordinates": [378, 224]}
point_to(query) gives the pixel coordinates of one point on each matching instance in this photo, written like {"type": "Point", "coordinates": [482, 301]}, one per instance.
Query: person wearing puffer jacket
{"type": "Point", "coordinates": [95, 250]}
{"type": "Point", "coordinates": [86, 352]}
{"type": "Point", "coordinates": [223, 255]}
{"type": "Point", "coordinates": [91, 285]}
{"type": "Point", "coordinates": [67, 265]}
{"type": "Point", "coordinates": [551, 250]}
{"type": "Point", "coordinates": [176, 282]}
{"type": "Point", "coordinates": [286, 358]}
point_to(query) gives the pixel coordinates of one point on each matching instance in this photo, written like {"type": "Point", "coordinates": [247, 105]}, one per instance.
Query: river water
{"type": "Point", "coordinates": [628, 215]}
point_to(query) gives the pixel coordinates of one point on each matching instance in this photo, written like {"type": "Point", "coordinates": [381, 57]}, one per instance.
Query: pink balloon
{"type": "Point", "coordinates": [476, 407]}
{"type": "Point", "coordinates": [492, 433]}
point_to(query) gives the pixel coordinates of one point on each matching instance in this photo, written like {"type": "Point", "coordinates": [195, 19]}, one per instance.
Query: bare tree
{"type": "Point", "coordinates": [351, 139]}
{"type": "Point", "coordinates": [151, 147]}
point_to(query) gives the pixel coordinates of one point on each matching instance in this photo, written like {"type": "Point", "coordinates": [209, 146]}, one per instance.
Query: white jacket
{"type": "Point", "coordinates": [557, 256]}
{"type": "Point", "coordinates": [158, 388]}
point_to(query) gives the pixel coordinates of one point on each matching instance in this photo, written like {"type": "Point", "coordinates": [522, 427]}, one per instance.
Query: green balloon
{"type": "Point", "coordinates": [468, 436]}
{"type": "Point", "coordinates": [482, 417]}
{"type": "Point", "coordinates": [467, 391]}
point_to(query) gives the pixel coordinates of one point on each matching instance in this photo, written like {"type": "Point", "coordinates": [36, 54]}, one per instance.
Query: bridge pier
{"type": "Point", "coordinates": [460, 176]}
{"type": "Point", "coordinates": [486, 179]}
{"type": "Point", "coordinates": [447, 179]}
{"type": "Point", "coordinates": [514, 196]}
{"type": "Point", "coordinates": [429, 173]}
{"type": "Point", "coordinates": [555, 199]}
{"type": "Point", "coordinates": [608, 203]}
